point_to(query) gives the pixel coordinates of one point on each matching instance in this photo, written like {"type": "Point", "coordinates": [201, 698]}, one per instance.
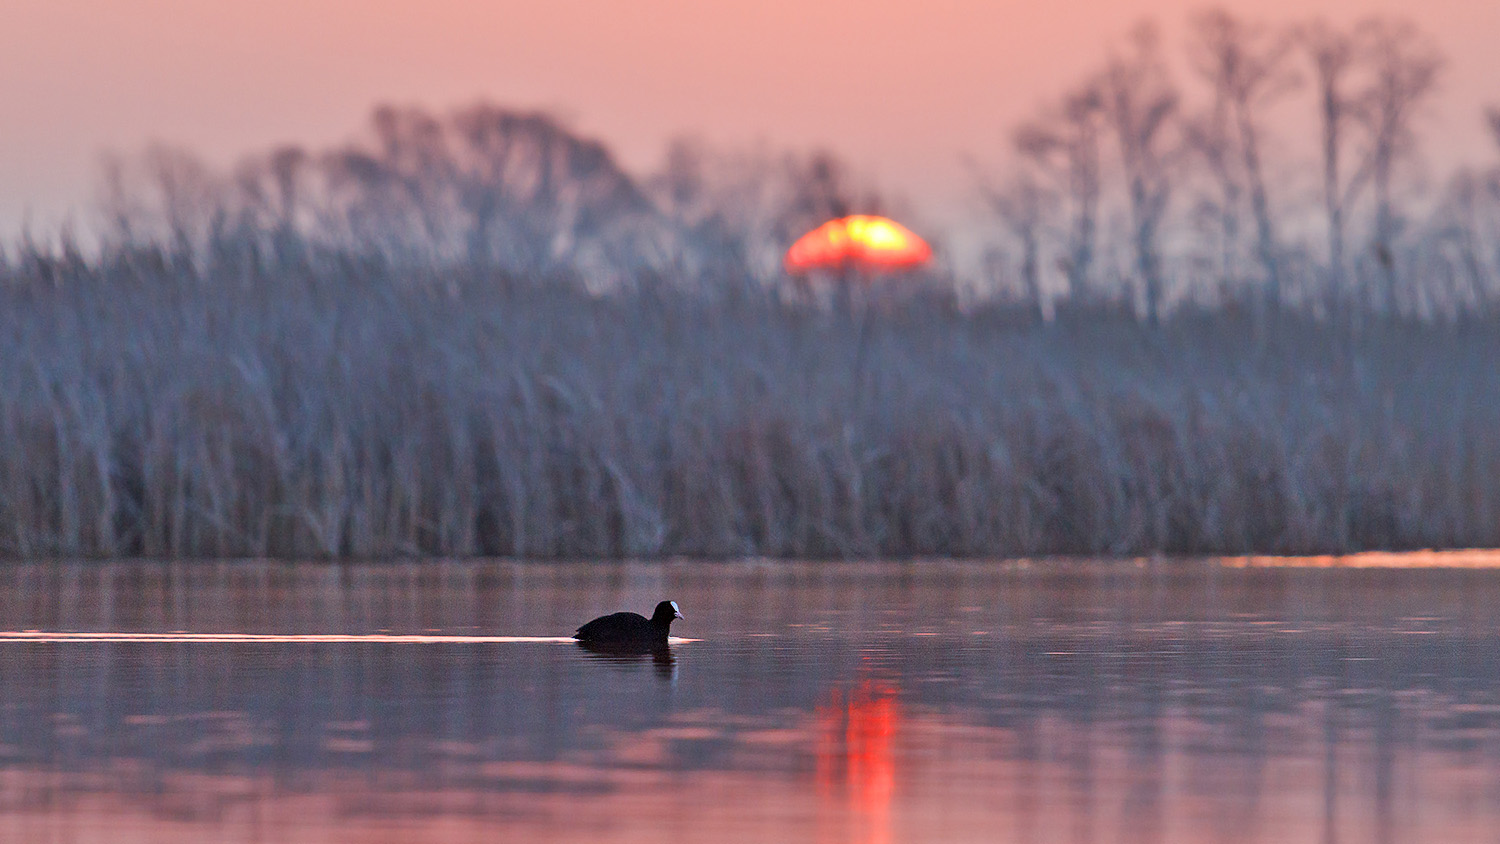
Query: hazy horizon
{"type": "Point", "coordinates": [902, 92]}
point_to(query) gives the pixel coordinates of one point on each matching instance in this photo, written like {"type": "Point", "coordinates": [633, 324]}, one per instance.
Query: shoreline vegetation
{"type": "Point", "coordinates": [346, 411]}
{"type": "Point", "coordinates": [473, 333]}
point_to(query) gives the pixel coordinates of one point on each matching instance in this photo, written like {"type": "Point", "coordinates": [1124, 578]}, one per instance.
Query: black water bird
{"type": "Point", "coordinates": [629, 630]}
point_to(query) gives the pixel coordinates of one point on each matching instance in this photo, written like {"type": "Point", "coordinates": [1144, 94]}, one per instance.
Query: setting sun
{"type": "Point", "coordinates": [860, 241]}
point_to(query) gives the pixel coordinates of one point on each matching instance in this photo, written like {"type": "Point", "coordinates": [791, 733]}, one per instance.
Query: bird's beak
{"type": "Point", "coordinates": [678, 614]}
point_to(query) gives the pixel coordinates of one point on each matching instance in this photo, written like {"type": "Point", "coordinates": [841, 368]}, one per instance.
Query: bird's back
{"type": "Point", "coordinates": [617, 626]}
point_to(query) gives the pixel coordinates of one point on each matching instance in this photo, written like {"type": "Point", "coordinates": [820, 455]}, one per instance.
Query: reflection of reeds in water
{"type": "Point", "coordinates": [1171, 702]}
{"type": "Point", "coordinates": [146, 410]}
{"type": "Point", "coordinates": [1178, 778]}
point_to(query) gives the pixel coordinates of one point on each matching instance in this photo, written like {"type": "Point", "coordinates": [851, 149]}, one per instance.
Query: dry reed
{"type": "Point", "coordinates": [341, 409]}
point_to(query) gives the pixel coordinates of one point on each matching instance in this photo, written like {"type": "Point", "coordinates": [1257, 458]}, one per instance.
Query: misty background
{"type": "Point", "coordinates": [902, 91]}
{"type": "Point", "coordinates": [1192, 326]}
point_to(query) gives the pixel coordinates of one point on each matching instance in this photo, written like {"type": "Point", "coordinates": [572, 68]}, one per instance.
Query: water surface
{"type": "Point", "coordinates": [1066, 701]}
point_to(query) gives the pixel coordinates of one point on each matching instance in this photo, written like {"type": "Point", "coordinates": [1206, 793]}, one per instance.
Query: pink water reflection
{"type": "Point", "coordinates": [869, 704]}
{"type": "Point", "coordinates": [856, 760]}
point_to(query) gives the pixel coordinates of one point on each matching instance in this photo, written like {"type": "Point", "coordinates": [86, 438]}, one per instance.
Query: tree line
{"type": "Point", "coordinates": [1283, 172]}
{"type": "Point", "coordinates": [484, 186]}
{"type": "Point", "coordinates": [1131, 184]}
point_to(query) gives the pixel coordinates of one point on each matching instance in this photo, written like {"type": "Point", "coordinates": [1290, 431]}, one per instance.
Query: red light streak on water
{"type": "Point", "coordinates": [856, 759]}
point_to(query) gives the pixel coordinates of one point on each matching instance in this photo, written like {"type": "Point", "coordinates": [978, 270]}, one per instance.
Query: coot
{"type": "Point", "coordinates": [627, 629]}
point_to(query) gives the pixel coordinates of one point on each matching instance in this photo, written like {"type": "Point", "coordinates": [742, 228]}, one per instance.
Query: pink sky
{"type": "Point", "coordinates": [902, 89]}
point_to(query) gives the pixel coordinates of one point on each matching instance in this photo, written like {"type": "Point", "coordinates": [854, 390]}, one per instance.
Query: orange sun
{"type": "Point", "coordinates": [860, 242]}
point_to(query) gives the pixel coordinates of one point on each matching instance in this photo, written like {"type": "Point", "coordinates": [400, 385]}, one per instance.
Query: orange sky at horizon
{"type": "Point", "coordinates": [903, 90]}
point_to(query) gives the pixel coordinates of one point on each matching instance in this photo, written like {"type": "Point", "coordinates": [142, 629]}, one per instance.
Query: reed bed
{"type": "Point", "coordinates": [345, 409]}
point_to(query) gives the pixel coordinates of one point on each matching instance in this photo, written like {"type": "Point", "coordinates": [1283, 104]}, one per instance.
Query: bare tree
{"type": "Point", "coordinates": [722, 210]}
{"type": "Point", "coordinates": [1405, 67]}
{"type": "Point", "coordinates": [118, 201]}
{"type": "Point", "coordinates": [1492, 117]}
{"type": "Point", "coordinates": [494, 186]}
{"type": "Point", "coordinates": [681, 190]}
{"type": "Point", "coordinates": [1456, 231]}
{"type": "Point", "coordinates": [1246, 65]}
{"type": "Point", "coordinates": [733, 211]}
{"type": "Point", "coordinates": [822, 187]}
{"type": "Point", "coordinates": [1452, 249]}
{"type": "Point", "coordinates": [164, 197]}
{"type": "Point", "coordinates": [528, 183]}
{"type": "Point", "coordinates": [1022, 205]}
{"type": "Point", "coordinates": [1064, 148]}
{"type": "Point", "coordinates": [410, 163]}
{"type": "Point", "coordinates": [1209, 136]}
{"type": "Point", "coordinates": [1139, 102]}
{"type": "Point", "coordinates": [271, 191]}
{"type": "Point", "coordinates": [1333, 53]}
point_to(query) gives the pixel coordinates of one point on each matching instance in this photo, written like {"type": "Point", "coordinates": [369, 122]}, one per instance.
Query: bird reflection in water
{"type": "Point", "coordinates": [660, 656]}
{"type": "Point", "coordinates": [856, 758]}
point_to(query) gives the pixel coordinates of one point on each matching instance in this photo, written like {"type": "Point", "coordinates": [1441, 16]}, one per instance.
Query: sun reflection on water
{"type": "Point", "coordinates": [1176, 701]}
{"type": "Point", "coordinates": [856, 761]}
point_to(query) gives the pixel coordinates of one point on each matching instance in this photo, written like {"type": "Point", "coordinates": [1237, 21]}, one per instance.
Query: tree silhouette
{"type": "Point", "coordinates": [1246, 66]}
{"type": "Point", "coordinates": [1062, 147]}
{"type": "Point", "coordinates": [1405, 68]}
{"type": "Point", "coordinates": [1139, 103]}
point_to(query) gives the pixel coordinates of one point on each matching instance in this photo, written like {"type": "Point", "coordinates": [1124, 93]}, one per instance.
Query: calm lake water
{"type": "Point", "coordinates": [1056, 701]}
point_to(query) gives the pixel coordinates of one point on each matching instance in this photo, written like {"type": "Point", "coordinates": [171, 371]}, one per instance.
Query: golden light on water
{"type": "Point", "coordinates": [286, 638]}
{"type": "Point", "coordinates": [1464, 558]}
